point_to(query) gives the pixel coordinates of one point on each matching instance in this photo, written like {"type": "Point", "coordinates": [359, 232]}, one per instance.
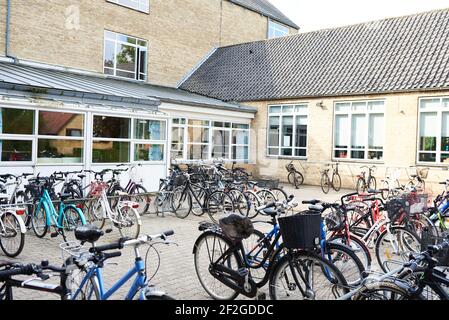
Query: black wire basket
{"type": "Point", "coordinates": [429, 239]}
{"type": "Point", "coordinates": [301, 231]}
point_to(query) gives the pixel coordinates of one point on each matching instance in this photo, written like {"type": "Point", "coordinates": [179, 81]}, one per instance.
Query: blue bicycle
{"type": "Point", "coordinates": [64, 219]}
{"type": "Point", "coordinates": [342, 256]}
{"type": "Point", "coordinates": [85, 281]}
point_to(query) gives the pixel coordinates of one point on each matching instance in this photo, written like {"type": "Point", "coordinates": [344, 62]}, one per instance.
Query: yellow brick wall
{"type": "Point", "coordinates": [401, 125]}
{"type": "Point", "coordinates": [180, 32]}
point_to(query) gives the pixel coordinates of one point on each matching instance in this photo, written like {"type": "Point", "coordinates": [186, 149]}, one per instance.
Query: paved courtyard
{"type": "Point", "coordinates": [176, 275]}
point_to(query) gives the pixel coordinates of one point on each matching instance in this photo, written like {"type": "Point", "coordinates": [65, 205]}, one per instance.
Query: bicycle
{"type": "Point", "coordinates": [123, 216]}
{"type": "Point", "coordinates": [87, 282]}
{"type": "Point", "coordinates": [137, 191]}
{"type": "Point", "coordinates": [417, 181]}
{"type": "Point", "coordinates": [64, 220]}
{"type": "Point", "coordinates": [215, 203]}
{"type": "Point", "coordinates": [294, 177]}
{"type": "Point", "coordinates": [224, 272]}
{"type": "Point", "coordinates": [390, 185]}
{"type": "Point", "coordinates": [327, 182]}
{"type": "Point", "coordinates": [365, 183]}
{"type": "Point", "coordinates": [12, 230]}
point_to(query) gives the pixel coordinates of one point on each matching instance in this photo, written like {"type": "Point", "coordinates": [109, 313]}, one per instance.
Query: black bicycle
{"type": "Point", "coordinates": [224, 271]}
{"type": "Point", "coordinates": [294, 177]}
{"type": "Point", "coordinates": [365, 183]}
{"type": "Point", "coordinates": [330, 181]}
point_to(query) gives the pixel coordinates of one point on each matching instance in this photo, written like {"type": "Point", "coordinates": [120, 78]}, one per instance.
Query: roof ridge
{"type": "Point", "coordinates": [335, 28]}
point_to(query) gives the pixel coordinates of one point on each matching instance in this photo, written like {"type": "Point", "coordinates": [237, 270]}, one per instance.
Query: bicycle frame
{"type": "Point", "coordinates": [53, 217]}
{"type": "Point", "coordinates": [139, 283]}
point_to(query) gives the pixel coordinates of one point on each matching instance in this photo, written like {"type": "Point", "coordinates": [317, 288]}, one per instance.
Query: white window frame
{"type": "Point", "coordinates": [114, 69]}
{"type": "Point", "coordinates": [350, 113]}
{"type": "Point", "coordinates": [439, 110]}
{"type": "Point", "coordinates": [211, 142]}
{"type": "Point", "coordinates": [141, 5]}
{"type": "Point", "coordinates": [131, 140]}
{"type": "Point", "coordinates": [274, 27]}
{"type": "Point", "coordinates": [303, 111]}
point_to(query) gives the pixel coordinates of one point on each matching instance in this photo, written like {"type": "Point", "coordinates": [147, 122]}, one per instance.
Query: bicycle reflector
{"type": "Point", "coordinates": [135, 205]}
{"type": "Point", "coordinates": [80, 206]}
{"type": "Point", "coordinates": [20, 212]}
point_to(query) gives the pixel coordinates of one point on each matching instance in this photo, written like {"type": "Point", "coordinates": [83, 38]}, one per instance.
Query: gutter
{"type": "Point", "coordinates": [8, 32]}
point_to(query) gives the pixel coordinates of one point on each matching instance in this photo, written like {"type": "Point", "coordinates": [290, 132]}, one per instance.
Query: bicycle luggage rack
{"type": "Point", "coordinates": [73, 249]}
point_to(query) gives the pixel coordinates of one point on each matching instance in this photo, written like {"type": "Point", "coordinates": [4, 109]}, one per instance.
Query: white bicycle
{"type": "Point", "coordinates": [12, 230]}
{"type": "Point", "coordinates": [124, 216]}
{"type": "Point", "coordinates": [391, 186]}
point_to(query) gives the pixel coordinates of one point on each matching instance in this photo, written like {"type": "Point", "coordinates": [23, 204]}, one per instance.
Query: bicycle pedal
{"type": "Point", "coordinates": [54, 234]}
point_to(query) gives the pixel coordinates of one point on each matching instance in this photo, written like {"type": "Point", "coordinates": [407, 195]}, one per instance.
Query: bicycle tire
{"type": "Point", "coordinates": [253, 203]}
{"type": "Point", "coordinates": [336, 182]}
{"type": "Point", "coordinates": [15, 223]}
{"type": "Point", "coordinates": [177, 199]}
{"type": "Point", "coordinates": [279, 193]}
{"type": "Point", "coordinates": [130, 220]}
{"type": "Point", "coordinates": [404, 254]}
{"type": "Point", "coordinates": [372, 183]}
{"type": "Point", "coordinates": [39, 234]}
{"type": "Point", "coordinates": [143, 200]}
{"type": "Point", "coordinates": [385, 189]}
{"type": "Point", "coordinates": [357, 245]}
{"type": "Point", "coordinates": [72, 223]}
{"type": "Point", "coordinates": [219, 205]}
{"type": "Point", "coordinates": [96, 213]}
{"type": "Point", "coordinates": [333, 281]}
{"type": "Point", "coordinates": [203, 261]}
{"type": "Point", "coordinates": [325, 183]}
{"type": "Point", "coordinates": [360, 186]}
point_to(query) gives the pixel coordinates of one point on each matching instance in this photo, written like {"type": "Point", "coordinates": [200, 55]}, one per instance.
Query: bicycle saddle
{"type": "Point", "coordinates": [236, 227]}
{"type": "Point", "coordinates": [316, 207]}
{"type": "Point", "coordinates": [88, 233]}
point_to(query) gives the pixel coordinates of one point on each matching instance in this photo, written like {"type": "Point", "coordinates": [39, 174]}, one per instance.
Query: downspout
{"type": "Point", "coordinates": [8, 32]}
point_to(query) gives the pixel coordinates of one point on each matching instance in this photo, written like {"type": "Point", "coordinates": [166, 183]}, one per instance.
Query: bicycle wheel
{"type": "Point", "coordinates": [346, 262]}
{"type": "Point", "coordinates": [96, 213]}
{"type": "Point", "coordinates": [358, 246]}
{"type": "Point", "coordinates": [208, 248]}
{"type": "Point", "coordinates": [253, 203]}
{"type": "Point", "coordinates": [12, 239]}
{"type": "Point", "coordinates": [372, 183]}
{"type": "Point", "coordinates": [336, 182]}
{"type": "Point", "coordinates": [181, 202]}
{"type": "Point", "coordinates": [71, 219]}
{"type": "Point", "coordinates": [361, 186]}
{"type": "Point", "coordinates": [116, 195]}
{"type": "Point", "coordinates": [295, 178]}
{"type": "Point", "coordinates": [219, 205]}
{"type": "Point", "coordinates": [141, 197]}
{"type": "Point", "coordinates": [382, 290]}
{"type": "Point", "coordinates": [385, 188]}
{"type": "Point", "coordinates": [279, 194]}
{"type": "Point", "coordinates": [306, 276]}
{"type": "Point", "coordinates": [394, 245]}
{"type": "Point", "coordinates": [256, 247]}
{"type": "Point", "coordinates": [129, 222]}
{"type": "Point", "coordinates": [239, 201]}
{"type": "Point", "coordinates": [82, 288]}
{"type": "Point", "coordinates": [266, 196]}
{"type": "Point", "coordinates": [428, 293]}
{"type": "Point", "coordinates": [39, 222]}
{"type": "Point", "coordinates": [197, 205]}
{"type": "Point", "coordinates": [325, 183]}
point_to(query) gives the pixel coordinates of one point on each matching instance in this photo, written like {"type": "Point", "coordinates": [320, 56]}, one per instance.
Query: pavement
{"type": "Point", "coordinates": [176, 275]}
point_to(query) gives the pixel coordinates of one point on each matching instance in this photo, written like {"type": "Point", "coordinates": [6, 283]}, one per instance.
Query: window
{"type": "Point", "coordinates": [287, 130]}
{"type": "Point", "coordinates": [149, 140]}
{"type": "Point", "coordinates": [16, 134]}
{"type": "Point", "coordinates": [209, 139]}
{"type": "Point", "coordinates": [276, 30]}
{"type": "Point", "coordinates": [359, 130]}
{"type": "Point", "coordinates": [111, 142]}
{"type": "Point", "coordinates": [433, 143]}
{"type": "Point", "coordinates": [60, 137]}
{"type": "Point", "coordinates": [139, 5]}
{"type": "Point", "coordinates": [125, 56]}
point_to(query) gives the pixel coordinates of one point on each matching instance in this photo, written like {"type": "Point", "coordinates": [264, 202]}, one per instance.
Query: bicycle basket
{"type": "Point", "coordinates": [236, 227]}
{"type": "Point", "coordinates": [179, 180]}
{"type": "Point", "coordinates": [396, 207]}
{"type": "Point", "coordinates": [429, 239]}
{"type": "Point", "coordinates": [301, 231]}
{"type": "Point", "coordinates": [268, 184]}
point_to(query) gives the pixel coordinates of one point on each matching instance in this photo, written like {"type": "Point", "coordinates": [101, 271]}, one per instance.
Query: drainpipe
{"type": "Point", "coordinates": [8, 31]}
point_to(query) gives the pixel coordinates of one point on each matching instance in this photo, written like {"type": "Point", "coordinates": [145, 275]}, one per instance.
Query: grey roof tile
{"type": "Point", "coordinates": [396, 54]}
{"type": "Point", "coordinates": [266, 8]}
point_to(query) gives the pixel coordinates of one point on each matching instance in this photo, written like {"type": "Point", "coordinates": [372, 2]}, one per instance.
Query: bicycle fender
{"type": "Point", "coordinates": [23, 229]}
{"type": "Point", "coordinates": [80, 213]}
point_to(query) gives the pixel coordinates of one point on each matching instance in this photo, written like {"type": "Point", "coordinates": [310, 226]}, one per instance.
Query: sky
{"type": "Point", "coordinates": [312, 15]}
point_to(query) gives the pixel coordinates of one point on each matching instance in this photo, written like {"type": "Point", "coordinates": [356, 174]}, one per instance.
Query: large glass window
{"type": "Point", "coordinates": [16, 150]}
{"type": "Point", "coordinates": [110, 152]}
{"type": "Point", "coordinates": [149, 136]}
{"type": "Point", "coordinates": [125, 56]}
{"type": "Point", "coordinates": [276, 30]}
{"type": "Point", "coordinates": [16, 121]}
{"type": "Point", "coordinates": [139, 5]}
{"type": "Point", "coordinates": [287, 130]}
{"type": "Point", "coordinates": [359, 130]}
{"type": "Point", "coordinates": [111, 127]}
{"type": "Point", "coordinates": [111, 139]}
{"type": "Point", "coordinates": [433, 143]}
{"type": "Point", "coordinates": [209, 139]}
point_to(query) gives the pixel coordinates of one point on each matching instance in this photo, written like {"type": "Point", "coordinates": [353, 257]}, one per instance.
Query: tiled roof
{"type": "Point", "coordinates": [398, 54]}
{"type": "Point", "coordinates": [265, 8]}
